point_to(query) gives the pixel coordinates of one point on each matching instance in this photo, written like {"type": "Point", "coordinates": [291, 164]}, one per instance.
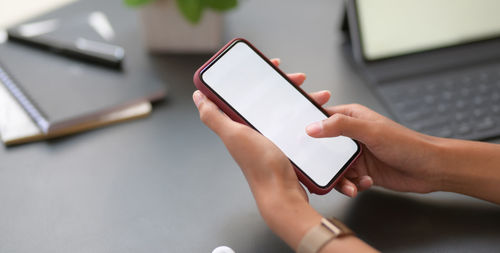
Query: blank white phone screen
{"type": "Point", "coordinates": [279, 111]}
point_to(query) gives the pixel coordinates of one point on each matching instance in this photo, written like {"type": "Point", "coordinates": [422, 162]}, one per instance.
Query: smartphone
{"type": "Point", "coordinates": [251, 90]}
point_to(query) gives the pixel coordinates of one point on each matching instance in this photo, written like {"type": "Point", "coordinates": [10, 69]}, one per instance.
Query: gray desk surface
{"type": "Point", "coordinates": [167, 184]}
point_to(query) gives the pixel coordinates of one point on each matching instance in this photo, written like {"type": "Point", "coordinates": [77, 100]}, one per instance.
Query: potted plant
{"type": "Point", "coordinates": [182, 26]}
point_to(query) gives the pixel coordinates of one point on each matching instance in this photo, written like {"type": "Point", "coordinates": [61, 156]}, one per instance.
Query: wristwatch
{"type": "Point", "coordinates": [321, 234]}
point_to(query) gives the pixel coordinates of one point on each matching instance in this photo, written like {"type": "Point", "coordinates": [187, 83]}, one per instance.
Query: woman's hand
{"type": "Point", "coordinates": [401, 159]}
{"type": "Point", "coordinates": [281, 199]}
{"type": "Point", "coordinates": [267, 170]}
{"type": "Point", "coordinates": [393, 156]}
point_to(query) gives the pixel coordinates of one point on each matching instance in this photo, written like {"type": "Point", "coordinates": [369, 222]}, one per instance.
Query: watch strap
{"type": "Point", "coordinates": [319, 235]}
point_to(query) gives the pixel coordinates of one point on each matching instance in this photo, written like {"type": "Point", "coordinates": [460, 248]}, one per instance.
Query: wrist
{"type": "Point", "coordinates": [468, 167]}
{"type": "Point", "coordinates": [454, 165]}
{"type": "Point", "coordinates": [433, 166]}
{"type": "Point", "coordinates": [449, 178]}
{"type": "Point", "coordinates": [289, 216]}
{"type": "Point", "coordinates": [462, 162]}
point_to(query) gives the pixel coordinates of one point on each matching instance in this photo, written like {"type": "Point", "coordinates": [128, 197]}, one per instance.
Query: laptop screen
{"type": "Point", "coordinates": [391, 28]}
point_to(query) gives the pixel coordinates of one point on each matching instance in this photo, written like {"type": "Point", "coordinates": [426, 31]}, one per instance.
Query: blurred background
{"type": "Point", "coordinates": [104, 150]}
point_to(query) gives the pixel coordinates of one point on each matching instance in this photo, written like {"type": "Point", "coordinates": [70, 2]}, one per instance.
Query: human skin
{"type": "Point", "coordinates": [393, 157]}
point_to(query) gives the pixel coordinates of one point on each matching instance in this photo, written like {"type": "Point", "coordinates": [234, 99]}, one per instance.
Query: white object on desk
{"type": "Point", "coordinates": [13, 12]}
{"type": "Point", "coordinates": [223, 249]}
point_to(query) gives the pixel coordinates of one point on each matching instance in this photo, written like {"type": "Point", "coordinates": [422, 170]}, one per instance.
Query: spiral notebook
{"type": "Point", "coordinates": [16, 126]}
{"type": "Point", "coordinates": [62, 95]}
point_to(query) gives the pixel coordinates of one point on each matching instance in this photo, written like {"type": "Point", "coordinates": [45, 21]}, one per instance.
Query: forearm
{"type": "Point", "coordinates": [291, 220]}
{"type": "Point", "coordinates": [471, 168]}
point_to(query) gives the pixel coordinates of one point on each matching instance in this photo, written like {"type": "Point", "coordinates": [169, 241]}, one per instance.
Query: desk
{"type": "Point", "coordinates": [167, 184]}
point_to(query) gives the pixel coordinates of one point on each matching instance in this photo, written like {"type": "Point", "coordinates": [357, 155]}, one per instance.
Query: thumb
{"type": "Point", "coordinates": [340, 124]}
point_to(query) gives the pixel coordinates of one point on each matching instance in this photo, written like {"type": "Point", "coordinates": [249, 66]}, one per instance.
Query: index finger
{"type": "Point", "coordinates": [297, 78]}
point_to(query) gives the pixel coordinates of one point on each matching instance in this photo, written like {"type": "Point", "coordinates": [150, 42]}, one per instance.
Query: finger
{"type": "Point", "coordinates": [355, 110]}
{"type": "Point", "coordinates": [349, 109]}
{"type": "Point", "coordinates": [297, 78]}
{"type": "Point", "coordinates": [276, 61]}
{"type": "Point", "coordinates": [364, 183]}
{"type": "Point", "coordinates": [320, 97]}
{"type": "Point", "coordinates": [210, 114]}
{"type": "Point", "coordinates": [340, 124]}
{"type": "Point", "coordinates": [347, 187]}
{"type": "Point", "coordinates": [352, 173]}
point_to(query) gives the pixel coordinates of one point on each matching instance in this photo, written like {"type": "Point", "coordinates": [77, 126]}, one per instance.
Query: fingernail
{"type": "Point", "coordinates": [315, 128]}
{"type": "Point", "coordinates": [278, 60]}
{"type": "Point", "coordinates": [349, 190]}
{"type": "Point", "coordinates": [305, 76]}
{"type": "Point", "coordinates": [366, 181]}
{"type": "Point", "coordinates": [197, 98]}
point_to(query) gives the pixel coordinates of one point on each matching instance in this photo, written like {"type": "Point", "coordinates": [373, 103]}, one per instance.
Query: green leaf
{"type": "Point", "coordinates": [191, 9]}
{"type": "Point", "coordinates": [220, 5]}
{"type": "Point", "coordinates": [135, 3]}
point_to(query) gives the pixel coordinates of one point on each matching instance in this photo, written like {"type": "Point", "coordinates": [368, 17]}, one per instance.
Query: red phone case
{"type": "Point", "coordinates": [311, 186]}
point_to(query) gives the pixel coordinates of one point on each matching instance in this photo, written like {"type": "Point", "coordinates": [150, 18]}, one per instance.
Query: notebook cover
{"type": "Point", "coordinates": [16, 127]}
{"type": "Point", "coordinates": [69, 92]}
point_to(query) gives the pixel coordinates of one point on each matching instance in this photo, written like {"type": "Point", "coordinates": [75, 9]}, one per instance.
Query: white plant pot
{"type": "Point", "coordinates": [167, 31]}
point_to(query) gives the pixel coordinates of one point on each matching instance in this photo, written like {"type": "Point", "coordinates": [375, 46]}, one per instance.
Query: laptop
{"type": "Point", "coordinates": [435, 64]}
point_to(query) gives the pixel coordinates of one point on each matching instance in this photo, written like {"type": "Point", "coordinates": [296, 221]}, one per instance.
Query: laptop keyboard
{"type": "Point", "coordinates": [462, 104]}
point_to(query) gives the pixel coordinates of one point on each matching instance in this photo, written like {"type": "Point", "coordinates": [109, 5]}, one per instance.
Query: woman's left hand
{"type": "Point", "coordinates": [269, 173]}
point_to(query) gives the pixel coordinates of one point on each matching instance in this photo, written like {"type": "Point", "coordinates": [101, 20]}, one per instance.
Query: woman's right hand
{"type": "Point", "coordinates": [393, 156]}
